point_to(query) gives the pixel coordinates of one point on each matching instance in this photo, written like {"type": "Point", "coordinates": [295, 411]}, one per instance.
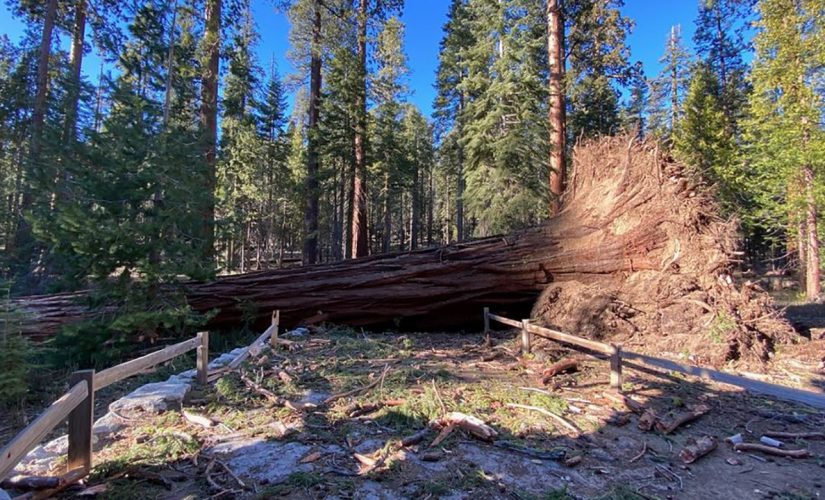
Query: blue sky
{"type": "Point", "coordinates": [424, 19]}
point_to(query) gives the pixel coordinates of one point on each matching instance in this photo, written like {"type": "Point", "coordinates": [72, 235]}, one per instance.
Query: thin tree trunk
{"type": "Point", "coordinates": [415, 214]}
{"type": "Point", "coordinates": [387, 239]}
{"type": "Point", "coordinates": [310, 253]}
{"type": "Point", "coordinates": [73, 92]}
{"type": "Point", "coordinates": [674, 85]}
{"type": "Point", "coordinates": [209, 120]}
{"type": "Point", "coordinates": [23, 236]}
{"type": "Point", "coordinates": [813, 286]}
{"type": "Point", "coordinates": [430, 207]}
{"type": "Point", "coordinates": [360, 243]}
{"type": "Point", "coordinates": [558, 139]}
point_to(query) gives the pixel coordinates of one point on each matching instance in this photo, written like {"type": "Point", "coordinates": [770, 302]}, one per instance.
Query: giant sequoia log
{"type": "Point", "coordinates": [635, 250]}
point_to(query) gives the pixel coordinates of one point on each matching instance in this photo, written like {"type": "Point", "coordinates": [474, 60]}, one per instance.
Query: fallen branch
{"type": "Point", "coordinates": [769, 450]}
{"type": "Point", "coordinates": [795, 435]}
{"type": "Point", "coordinates": [445, 432]}
{"type": "Point", "coordinates": [336, 397]}
{"type": "Point", "coordinates": [681, 419]}
{"type": "Point", "coordinates": [697, 448]}
{"type": "Point", "coordinates": [641, 453]}
{"type": "Point", "coordinates": [561, 420]}
{"type": "Point", "coordinates": [271, 396]}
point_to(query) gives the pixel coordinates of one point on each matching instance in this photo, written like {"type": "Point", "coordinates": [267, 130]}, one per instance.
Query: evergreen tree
{"type": "Point", "coordinates": [786, 142]}
{"type": "Point", "coordinates": [702, 140]}
{"type": "Point", "coordinates": [506, 131]}
{"type": "Point", "coordinates": [720, 40]}
{"type": "Point", "coordinates": [669, 89]}
{"type": "Point", "coordinates": [450, 101]}
{"type": "Point", "coordinates": [598, 59]}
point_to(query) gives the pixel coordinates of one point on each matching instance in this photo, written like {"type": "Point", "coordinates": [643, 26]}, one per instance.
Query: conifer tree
{"type": "Point", "coordinates": [785, 140]}
{"type": "Point", "coordinates": [720, 40]}
{"type": "Point", "coordinates": [701, 139]}
{"type": "Point", "coordinates": [669, 89]}
{"type": "Point", "coordinates": [598, 58]}
{"type": "Point", "coordinates": [450, 102]}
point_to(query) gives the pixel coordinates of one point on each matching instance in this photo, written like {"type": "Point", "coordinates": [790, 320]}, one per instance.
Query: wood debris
{"type": "Point", "coordinates": [770, 450]}
{"type": "Point", "coordinates": [469, 423]}
{"type": "Point", "coordinates": [697, 448]}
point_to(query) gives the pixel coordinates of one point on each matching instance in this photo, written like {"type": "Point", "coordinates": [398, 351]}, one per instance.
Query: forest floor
{"type": "Point", "coordinates": [271, 434]}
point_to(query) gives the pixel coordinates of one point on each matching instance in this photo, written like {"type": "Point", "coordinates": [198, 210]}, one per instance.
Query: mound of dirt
{"type": "Point", "coordinates": [689, 303]}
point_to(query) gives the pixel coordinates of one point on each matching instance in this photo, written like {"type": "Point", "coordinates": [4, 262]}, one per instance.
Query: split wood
{"type": "Point", "coordinates": [469, 423]}
{"type": "Point", "coordinates": [681, 419]}
{"type": "Point", "coordinates": [697, 448]}
{"type": "Point", "coordinates": [561, 420]}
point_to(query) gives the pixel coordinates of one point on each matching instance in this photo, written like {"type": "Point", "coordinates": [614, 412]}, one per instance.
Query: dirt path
{"type": "Point", "coordinates": [274, 437]}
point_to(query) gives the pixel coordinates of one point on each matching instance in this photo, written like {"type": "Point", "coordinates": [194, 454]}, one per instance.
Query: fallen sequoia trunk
{"type": "Point", "coordinates": [634, 239]}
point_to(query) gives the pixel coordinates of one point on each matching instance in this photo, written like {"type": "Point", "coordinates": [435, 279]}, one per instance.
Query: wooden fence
{"type": "Point", "coordinates": [619, 357]}
{"type": "Point", "coordinates": [77, 404]}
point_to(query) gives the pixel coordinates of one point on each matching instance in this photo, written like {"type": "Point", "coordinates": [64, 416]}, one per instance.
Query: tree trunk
{"type": "Point", "coordinates": [415, 210]}
{"type": "Point", "coordinates": [813, 286]}
{"type": "Point", "coordinates": [23, 236]}
{"type": "Point", "coordinates": [73, 93]}
{"type": "Point", "coordinates": [310, 253]}
{"type": "Point", "coordinates": [209, 120]}
{"type": "Point", "coordinates": [633, 234]}
{"type": "Point", "coordinates": [360, 240]}
{"type": "Point", "coordinates": [558, 138]}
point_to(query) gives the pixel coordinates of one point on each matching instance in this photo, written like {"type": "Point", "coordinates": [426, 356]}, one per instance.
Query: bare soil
{"type": "Point", "coordinates": [352, 449]}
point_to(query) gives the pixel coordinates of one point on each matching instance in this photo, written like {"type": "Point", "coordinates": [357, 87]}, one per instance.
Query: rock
{"type": "Point", "coordinates": [151, 398]}
{"type": "Point", "coordinates": [108, 425]}
{"type": "Point", "coordinates": [270, 461]}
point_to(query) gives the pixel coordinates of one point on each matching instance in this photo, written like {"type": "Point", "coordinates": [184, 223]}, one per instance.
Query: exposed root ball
{"type": "Point", "coordinates": [690, 304]}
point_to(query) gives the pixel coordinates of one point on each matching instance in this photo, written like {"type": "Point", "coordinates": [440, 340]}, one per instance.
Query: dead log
{"type": "Point", "coordinates": [635, 246]}
{"type": "Point", "coordinates": [697, 448]}
{"type": "Point", "coordinates": [563, 366]}
{"type": "Point", "coordinates": [666, 427]}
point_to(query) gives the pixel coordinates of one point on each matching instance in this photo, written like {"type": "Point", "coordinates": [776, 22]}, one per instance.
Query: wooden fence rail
{"type": "Point", "coordinates": [619, 357]}
{"type": "Point", "coordinates": [77, 405]}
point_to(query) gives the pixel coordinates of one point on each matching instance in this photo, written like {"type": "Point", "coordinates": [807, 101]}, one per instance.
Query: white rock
{"type": "Point", "coordinates": [151, 398]}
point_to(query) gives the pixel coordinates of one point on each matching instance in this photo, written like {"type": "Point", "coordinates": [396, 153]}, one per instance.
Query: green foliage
{"type": "Point", "coordinates": [703, 140]}
{"type": "Point", "coordinates": [15, 353]}
{"type": "Point", "coordinates": [670, 88]}
{"type": "Point", "coordinates": [598, 65]}
{"type": "Point", "coordinates": [783, 132]}
{"type": "Point", "coordinates": [504, 128]}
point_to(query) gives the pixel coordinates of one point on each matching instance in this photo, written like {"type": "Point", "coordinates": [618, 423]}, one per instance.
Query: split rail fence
{"type": "Point", "coordinates": [619, 357]}
{"type": "Point", "coordinates": [77, 405]}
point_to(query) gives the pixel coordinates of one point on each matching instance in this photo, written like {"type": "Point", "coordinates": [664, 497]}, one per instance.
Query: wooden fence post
{"type": "Point", "coordinates": [81, 420]}
{"type": "Point", "coordinates": [486, 320]}
{"type": "Point", "coordinates": [616, 368]}
{"type": "Point", "coordinates": [203, 358]}
{"type": "Point", "coordinates": [526, 346]}
{"type": "Point", "coordinates": [276, 325]}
